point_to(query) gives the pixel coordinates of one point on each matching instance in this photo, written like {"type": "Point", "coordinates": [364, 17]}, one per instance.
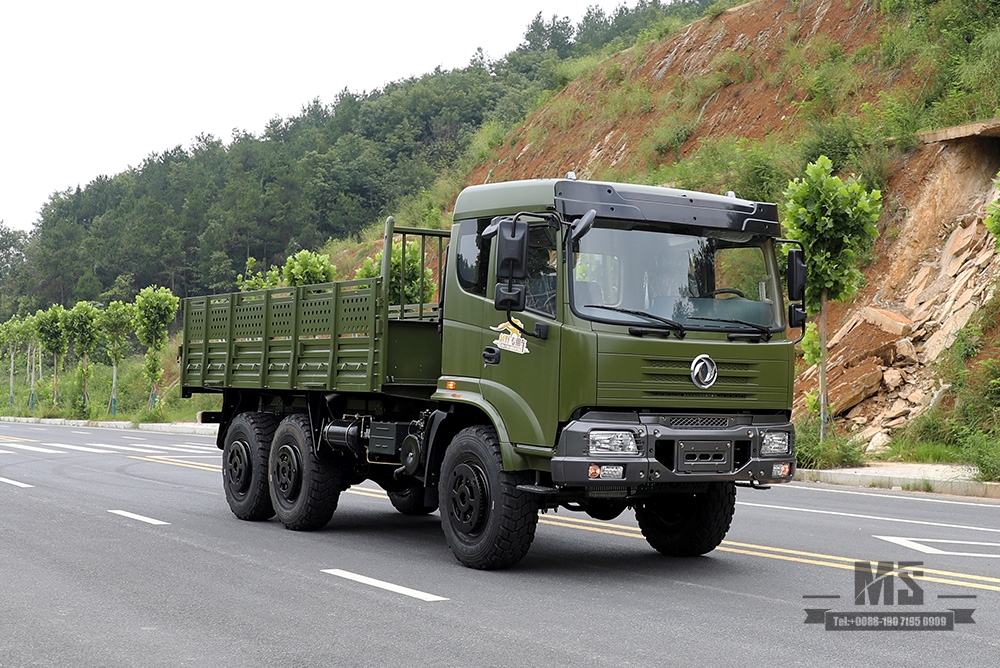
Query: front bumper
{"type": "Point", "coordinates": [673, 448]}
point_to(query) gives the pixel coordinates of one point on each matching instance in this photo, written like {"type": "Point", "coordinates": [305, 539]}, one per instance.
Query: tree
{"type": "Point", "coordinates": [556, 35]}
{"type": "Point", "coordinates": [418, 287]}
{"type": "Point", "coordinates": [29, 334]}
{"type": "Point", "coordinates": [83, 332]}
{"type": "Point", "coordinates": [116, 322]}
{"type": "Point", "coordinates": [155, 309]}
{"type": "Point", "coordinates": [12, 243]}
{"type": "Point", "coordinates": [54, 339]}
{"type": "Point", "coordinates": [835, 221]}
{"type": "Point", "coordinates": [12, 334]}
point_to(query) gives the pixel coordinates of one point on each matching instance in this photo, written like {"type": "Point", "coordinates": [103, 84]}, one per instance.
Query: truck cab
{"type": "Point", "coordinates": [637, 355]}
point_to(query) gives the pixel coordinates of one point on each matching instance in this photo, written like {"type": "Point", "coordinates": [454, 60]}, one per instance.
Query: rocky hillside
{"type": "Point", "coordinates": [734, 75]}
{"type": "Point", "coordinates": [936, 266]}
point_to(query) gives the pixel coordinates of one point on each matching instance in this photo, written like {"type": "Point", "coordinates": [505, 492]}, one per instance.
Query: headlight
{"type": "Point", "coordinates": [774, 443]}
{"type": "Point", "coordinates": [612, 443]}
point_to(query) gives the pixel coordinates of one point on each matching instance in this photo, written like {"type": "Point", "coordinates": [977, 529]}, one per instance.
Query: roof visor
{"type": "Point", "coordinates": [667, 205]}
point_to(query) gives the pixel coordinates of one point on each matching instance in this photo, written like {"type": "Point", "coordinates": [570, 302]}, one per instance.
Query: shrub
{"type": "Point", "coordinates": [418, 287]}
{"type": "Point", "coordinates": [834, 451]}
{"type": "Point", "coordinates": [983, 450]}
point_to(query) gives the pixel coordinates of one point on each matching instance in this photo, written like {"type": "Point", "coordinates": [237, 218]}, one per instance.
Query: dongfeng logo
{"type": "Point", "coordinates": [704, 372]}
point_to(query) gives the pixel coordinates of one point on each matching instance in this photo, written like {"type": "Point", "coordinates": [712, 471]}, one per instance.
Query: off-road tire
{"type": "Point", "coordinates": [487, 522]}
{"type": "Point", "coordinates": [688, 525]}
{"type": "Point", "coordinates": [304, 489]}
{"type": "Point", "coordinates": [410, 501]}
{"type": "Point", "coordinates": [246, 449]}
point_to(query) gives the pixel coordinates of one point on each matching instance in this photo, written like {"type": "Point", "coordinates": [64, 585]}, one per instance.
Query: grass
{"type": "Point", "coordinates": [905, 448]}
{"type": "Point", "coordinates": [922, 485]}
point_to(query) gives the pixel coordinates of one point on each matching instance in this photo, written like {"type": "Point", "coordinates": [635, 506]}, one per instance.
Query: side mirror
{"type": "Point", "coordinates": [512, 249]}
{"type": "Point", "coordinates": [582, 225]}
{"type": "Point", "coordinates": [796, 275]}
{"type": "Point", "coordinates": [509, 297]}
{"type": "Point", "coordinates": [796, 316]}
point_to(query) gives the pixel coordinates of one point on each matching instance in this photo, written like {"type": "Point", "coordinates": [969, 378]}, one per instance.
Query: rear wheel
{"type": "Point", "coordinates": [244, 465]}
{"type": "Point", "coordinates": [688, 525]}
{"type": "Point", "coordinates": [304, 489]}
{"type": "Point", "coordinates": [487, 522]}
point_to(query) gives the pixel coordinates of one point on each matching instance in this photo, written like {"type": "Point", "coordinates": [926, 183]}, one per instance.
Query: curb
{"type": "Point", "coordinates": [990, 490]}
{"type": "Point", "coordinates": [163, 427]}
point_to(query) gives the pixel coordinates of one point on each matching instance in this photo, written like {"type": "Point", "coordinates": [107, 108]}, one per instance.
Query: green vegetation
{"type": "Point", "coordinates": [92, 339]}
{"type": "Point", "coordinates": [953, 46]}
{"type": "Point", "coordinates": [832, 451]}
{"type": "Point", "coordinates": [303, 268]}
{"type": "Point", "coordinates": [154, 311]}
{"type": "Point", "coordinates": [418, 286]}
{"type": "Point", "coordinates": [992, 219]}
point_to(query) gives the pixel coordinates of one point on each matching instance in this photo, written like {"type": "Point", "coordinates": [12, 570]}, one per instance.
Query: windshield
{"type": "Point", "coordinates": [726, 281]}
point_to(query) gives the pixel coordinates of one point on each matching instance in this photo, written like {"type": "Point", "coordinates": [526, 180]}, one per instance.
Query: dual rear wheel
{"type": "Point", "coordinates": [271, 468]}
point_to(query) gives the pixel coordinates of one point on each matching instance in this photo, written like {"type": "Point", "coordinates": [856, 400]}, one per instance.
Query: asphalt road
{"type": "Point", "coordinates": [117, 548]}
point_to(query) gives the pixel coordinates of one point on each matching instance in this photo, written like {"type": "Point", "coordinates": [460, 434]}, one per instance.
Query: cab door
{"type": "Point", "coordinates": [523, 383]}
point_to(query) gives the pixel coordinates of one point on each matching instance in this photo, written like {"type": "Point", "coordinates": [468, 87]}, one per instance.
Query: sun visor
{"type": "Point", "coordinates": [666, 205]}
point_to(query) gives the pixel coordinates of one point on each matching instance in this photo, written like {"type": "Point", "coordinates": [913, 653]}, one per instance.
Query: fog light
{"type": "Point", "coordinates": [782, 470]}
{"type": "Point", "coordinates": [606, 472]}
{"type": "Point", "coordinates": [774, 443]}
{"type": "Point", "coordinates": [612, 443]}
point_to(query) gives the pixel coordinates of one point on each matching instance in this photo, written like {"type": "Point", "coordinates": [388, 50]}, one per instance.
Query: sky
{"type": "Point", "coordinates": [93, 87]}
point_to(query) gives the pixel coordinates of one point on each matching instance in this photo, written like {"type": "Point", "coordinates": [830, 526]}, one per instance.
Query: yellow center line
{"type": "Point", "coordinates": [852, 559]}
{"type": "Point", "coordinates": [371, 493]}
{"type": "Point", "coordinates": [782, 554]}
{"type": "Point", "coordinates": [17, 439]}
{"type": "Point", "coordinates": [628, 534]}
{"type": "Point", "coordinates": [215, 468]}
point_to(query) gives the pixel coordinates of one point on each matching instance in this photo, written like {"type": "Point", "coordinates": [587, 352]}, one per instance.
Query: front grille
{"type": "Point", "coordinates": [699, 422]}
{"type": "Point", "coordinates": [697, 395]}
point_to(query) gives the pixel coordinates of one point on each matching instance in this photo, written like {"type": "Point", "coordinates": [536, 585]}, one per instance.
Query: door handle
{"type": "Point", "coordinates": [491, 356]}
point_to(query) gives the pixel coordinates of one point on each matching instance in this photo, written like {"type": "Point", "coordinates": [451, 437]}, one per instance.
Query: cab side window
{"type": "Point", "coordinates": [473, 257]}
{"type": "Point", "coordinates": [540, 279]}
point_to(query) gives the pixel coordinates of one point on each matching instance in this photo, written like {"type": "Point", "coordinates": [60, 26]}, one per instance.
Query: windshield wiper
{"type": "Point", "coordinates": [672, 324]}
{"type": "Point", "coordinates": [764, 331]}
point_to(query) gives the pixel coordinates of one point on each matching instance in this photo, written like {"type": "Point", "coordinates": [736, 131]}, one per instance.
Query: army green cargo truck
{"type": "Point", "coordinates": [589, 346]}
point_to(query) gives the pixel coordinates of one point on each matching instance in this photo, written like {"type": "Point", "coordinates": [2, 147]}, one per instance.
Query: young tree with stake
{"type": "Point", "coordinates": [835, 221]}
{"type": "Point", "coordinates": [154, 311]}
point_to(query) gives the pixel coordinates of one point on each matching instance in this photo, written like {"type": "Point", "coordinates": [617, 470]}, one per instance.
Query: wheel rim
{"type": "Point", "coordinates": [469, 498]}
{"type": "Point", "coordinates": [238, 468]}
{"type": "Point", "coordinates": [288, 473]}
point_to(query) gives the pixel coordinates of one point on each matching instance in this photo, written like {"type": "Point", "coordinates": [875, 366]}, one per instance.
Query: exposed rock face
{"type": "Point", "coordinates": [934, 276]}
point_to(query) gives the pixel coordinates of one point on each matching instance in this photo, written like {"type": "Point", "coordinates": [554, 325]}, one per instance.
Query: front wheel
{"type": "Point", "coordinates": [688, 525]}
{"type": "Point", "coordinates": [304, 489]}
{"type": "Point", "coordinates": [487, 522]}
